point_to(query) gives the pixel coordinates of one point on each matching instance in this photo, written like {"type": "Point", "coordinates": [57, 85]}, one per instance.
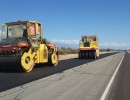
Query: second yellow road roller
{"type": "Point", "coordinates": [88, 47]}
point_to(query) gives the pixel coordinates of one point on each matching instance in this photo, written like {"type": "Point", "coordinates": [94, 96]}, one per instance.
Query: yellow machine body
{"type": "Point", "coordinates": [88, 47]}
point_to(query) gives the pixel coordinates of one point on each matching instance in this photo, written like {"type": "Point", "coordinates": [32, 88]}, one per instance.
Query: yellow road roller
{"type": "Point", "coordinates": [24, 40]}
{"type": "Point", "coordinates": [88, 47]}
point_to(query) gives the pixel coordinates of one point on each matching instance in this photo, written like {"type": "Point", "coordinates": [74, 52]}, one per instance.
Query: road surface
{"type": "Point", "coordinates": [85, 80]}
{"type": "Point", "coordinates": [120, 89]}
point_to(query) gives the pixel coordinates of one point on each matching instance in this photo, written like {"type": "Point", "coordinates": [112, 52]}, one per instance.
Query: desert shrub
{"type": "Point", "coordinates": [64, 50]}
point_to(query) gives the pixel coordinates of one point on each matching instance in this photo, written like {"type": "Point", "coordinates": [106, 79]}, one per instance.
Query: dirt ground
{"type": "Point", "coordinates": [129, 52]}
{"type": "Point", "coordinates": [69, 56]}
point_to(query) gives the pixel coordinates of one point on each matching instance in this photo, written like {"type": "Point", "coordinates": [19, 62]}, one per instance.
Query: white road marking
{"type": "Point", "coordinates": [110, 82]}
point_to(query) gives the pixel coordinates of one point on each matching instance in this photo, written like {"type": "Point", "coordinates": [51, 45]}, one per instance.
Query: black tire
{"type": "Point", "coordinates": [82, 55]}
{"type": "Point", "coordinates": [50, 62]}
{"type": "Point", "coordinates": [79, 55]}
{"type": "Point", "coordinates": [90, 54]}
{"type": "Point", "coordinates": [87, 55]}
{"type": "Point", "coordinates": [94, 55]}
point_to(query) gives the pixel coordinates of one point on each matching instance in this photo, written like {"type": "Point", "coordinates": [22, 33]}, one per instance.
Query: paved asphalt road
{"type": "Point", "coordinates": [10, 79]}
{"type": "Point", "coordinates": [120, 89]}
{"type": "Point", "coordinates": [85, 80]}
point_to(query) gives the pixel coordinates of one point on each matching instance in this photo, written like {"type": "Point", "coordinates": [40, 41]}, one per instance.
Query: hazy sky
{"type": "Point", "coordinates": [64, 21]}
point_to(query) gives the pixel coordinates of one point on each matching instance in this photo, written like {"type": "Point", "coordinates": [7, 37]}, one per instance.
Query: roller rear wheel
{"type": "Point", "coordinates": [53, 59]}
{"type": "Point", "coordinates": [79, 55]}
{"type": "Point", "coordinates": [94, 55]}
